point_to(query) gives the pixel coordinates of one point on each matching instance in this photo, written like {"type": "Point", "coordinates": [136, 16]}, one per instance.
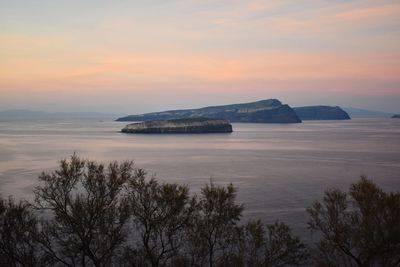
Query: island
{"type": "Point", "coordinates": [264, 111]}
{"type": "Point", "coordinates": [321, 113]}
{"type": "Point", "coordinates": [396, 116]}
{"type": "Point", "coordinates": [191, 125]}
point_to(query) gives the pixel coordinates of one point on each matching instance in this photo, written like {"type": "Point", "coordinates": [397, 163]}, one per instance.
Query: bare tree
{"type": "Point", "coordinates": [85, 211]}
{"type": "Point", "coordinates": [273, 245]}
{"type": "Point", "coordinates": [214, 233]}
{"type": "Point", "coordinates": [18, 235]}
{"type": "Point", "coordinates": [359, 228]}
{"type": "Point", "coordinates": [160, 212]}
{"type": "Point", "coordinates": [253, 244]}
{"type": "Point", "coordinates": [282, 248]}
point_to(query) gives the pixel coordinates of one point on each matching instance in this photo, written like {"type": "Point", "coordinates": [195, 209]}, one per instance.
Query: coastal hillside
{"type": "Point", "coordinates": [321, 113]}
{"type": "Point", "coordinates": [264, 111]}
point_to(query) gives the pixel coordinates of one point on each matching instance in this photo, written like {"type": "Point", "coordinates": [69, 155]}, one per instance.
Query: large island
{"type": "Point", "coordinates": [264, 111]}
{"type": "Point", "coordinates": [192, 125]}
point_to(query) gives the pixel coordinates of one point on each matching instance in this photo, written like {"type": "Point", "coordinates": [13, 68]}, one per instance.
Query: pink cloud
{"type": "Point", "coordinates": [327, 20]}
{"type": "Point", "coordinates": [124, 70]}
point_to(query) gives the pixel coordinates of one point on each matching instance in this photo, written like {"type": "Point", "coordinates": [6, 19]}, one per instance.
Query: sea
{"type": "Point", "coordinates": [279, 169]}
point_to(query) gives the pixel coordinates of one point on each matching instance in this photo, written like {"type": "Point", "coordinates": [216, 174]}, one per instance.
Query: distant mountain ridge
{"type": "Point", "coordinates": [321, 113]}
{"type": "Point", "coordinates": [263, 111]}
{"type": "Point", "coordinates": [364, 113]}
{"type": "Point", "coordinates": [21, 114]}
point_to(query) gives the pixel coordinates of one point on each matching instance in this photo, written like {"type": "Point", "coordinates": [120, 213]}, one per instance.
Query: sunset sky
{"type": "Point", "coordinates": [139, 56]}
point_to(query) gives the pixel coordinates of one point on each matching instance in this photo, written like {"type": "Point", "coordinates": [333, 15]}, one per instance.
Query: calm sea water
{"type": "Point", "coordinates": [279, 169]}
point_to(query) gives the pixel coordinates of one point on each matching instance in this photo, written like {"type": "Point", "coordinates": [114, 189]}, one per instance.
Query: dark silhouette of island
{"type": "Point", "coordinates": [190, 125]}
{"type": "Point", "coordinates": [396, 116]}
{"type": "Point", "coordinates": [264, 111]}
{"type": "Point", "coordinates": [321, 113]}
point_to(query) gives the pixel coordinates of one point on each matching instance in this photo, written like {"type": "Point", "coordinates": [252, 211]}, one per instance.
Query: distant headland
{"type": "Point", "coordinates": [264, 111]}
{"type": "Point", "coordinates": [321, 113]}
{"type": "Point", "coordinates": [191, 125]}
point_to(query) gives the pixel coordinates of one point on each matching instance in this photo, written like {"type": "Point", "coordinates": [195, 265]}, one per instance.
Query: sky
{"type": "Point", "coordinates": [142, 56]}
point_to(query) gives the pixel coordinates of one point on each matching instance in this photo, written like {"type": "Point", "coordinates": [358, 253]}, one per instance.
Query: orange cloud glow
{"type": "Point", "coordinates": [127, 69]}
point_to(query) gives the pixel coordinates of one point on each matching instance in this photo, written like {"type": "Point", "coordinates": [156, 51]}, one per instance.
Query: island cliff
{"type": "Point", "coordinates": [321, 113]}
{"type": "Point", "coordinates": [264, 111]}
{"type": "Point", "coordinates": [192, 125]}
{"type": "Point", "coordinates": [396, 116]}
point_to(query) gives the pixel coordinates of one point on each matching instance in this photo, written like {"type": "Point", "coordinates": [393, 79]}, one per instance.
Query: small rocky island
{"type": "Point", "coordinates": [396, 116]}
{"type": "Point", "coordinates": [188, 125]}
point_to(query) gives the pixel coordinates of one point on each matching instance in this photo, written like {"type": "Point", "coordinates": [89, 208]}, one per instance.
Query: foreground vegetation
{"type": "Point", "coordinates": [88, 214]}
